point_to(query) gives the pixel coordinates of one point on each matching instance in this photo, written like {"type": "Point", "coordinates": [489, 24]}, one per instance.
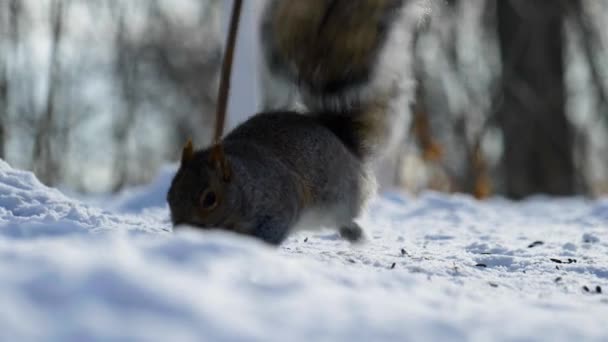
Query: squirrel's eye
{"type": "Point", "coordinates": [209, 200]}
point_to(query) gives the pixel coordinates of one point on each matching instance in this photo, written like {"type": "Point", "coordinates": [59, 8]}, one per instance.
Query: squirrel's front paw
{"type": "Point", "coordinates": [270, 230]}
{"type": "Point", "coordinates": [352, 232]}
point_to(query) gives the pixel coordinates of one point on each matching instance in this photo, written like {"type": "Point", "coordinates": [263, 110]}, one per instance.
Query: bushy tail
{"type": "Point", "coordinates": [366, 130]}
{"type": "Point", "coordinates": [351, 62]}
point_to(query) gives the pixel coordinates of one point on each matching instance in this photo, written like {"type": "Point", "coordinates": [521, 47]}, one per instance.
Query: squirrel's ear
{"type": "Point", "coordinates": [188, 152]}
{"type": "Point", "coordinates": [217, 158]}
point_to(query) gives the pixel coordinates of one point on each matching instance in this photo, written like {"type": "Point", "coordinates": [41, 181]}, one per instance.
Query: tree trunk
{"type": "Point", "coordinates": [126, 77]}
{"type": "Point", "coordinates": [538, 139]}
{"type": "Point", "coordinates": [46, 163]}
{"type": "Point", "coordinates": [4, 29]}
{"type": "Point", "coordinates": [3, 109]}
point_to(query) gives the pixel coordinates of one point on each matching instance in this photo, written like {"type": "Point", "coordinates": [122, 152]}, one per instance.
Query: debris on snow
{"type": "Point", "coordinates": [112, 271]}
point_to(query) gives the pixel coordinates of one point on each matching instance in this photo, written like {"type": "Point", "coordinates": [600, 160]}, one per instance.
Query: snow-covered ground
{"type": "Point", "coordinates": [437, 267]}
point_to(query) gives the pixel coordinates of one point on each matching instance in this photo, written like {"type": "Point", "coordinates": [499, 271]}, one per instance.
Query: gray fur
{"type": "Point", "coordinates": [292, 171]}
{"type": "Point", "coordinates": [287, 168]}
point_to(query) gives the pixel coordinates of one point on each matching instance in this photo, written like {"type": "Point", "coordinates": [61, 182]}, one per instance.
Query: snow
{"type": "Point", "coordinates": [463, 270]}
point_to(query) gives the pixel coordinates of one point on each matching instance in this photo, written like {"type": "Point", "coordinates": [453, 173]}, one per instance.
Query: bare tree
{"type": "Point", "coordinates": [4, 12]}
{"type": "Point", "coordinates": [46, 164]}
{"type": "Point", "coordinates": [126, 75]}
{"type": "Point", "coordinates": [9, 33]}
{"type": "Point", "coordinates": [163, 71]}
{"type": "Point", "coordinates": [190, 69]}
{"type": "Point", "coordinates": [451, 112]}
{"type": "Point", "coordinates": [3, 111]}
{"type": "Point", "coordinates": [538, 140]}
{"type": "Point", "coordinates": [172, 67]}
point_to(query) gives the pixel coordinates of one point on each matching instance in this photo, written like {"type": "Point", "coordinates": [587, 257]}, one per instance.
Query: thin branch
{"type": "Point", "coordinates": [224, 89]}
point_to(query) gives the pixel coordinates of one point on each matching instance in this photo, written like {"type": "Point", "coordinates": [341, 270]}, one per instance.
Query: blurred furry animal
{"type": "Point", "coordinates": [342, 55]}
{"type": "Point", "coordinates": [282, 171]}
{"type": "Point", "coordinates": [327, 47]}
{"type": "Point", "coordinates": [273, 174]}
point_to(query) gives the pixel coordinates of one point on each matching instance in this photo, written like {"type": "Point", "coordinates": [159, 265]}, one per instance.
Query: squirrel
{"type": "Point", "coordinates": [281, 171]}
{"type": "Point", "coordinates": [273, 174]}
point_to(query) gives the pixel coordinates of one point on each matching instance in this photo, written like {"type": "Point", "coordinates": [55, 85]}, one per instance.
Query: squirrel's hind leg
{"type": "Point", "coordinates": [352, 232]}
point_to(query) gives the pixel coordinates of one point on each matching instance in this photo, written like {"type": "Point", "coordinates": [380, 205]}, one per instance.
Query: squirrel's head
{"type": "Point", "coordinates": [200, 194]}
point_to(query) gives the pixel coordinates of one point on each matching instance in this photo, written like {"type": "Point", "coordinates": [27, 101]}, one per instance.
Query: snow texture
{"type": "Point", "coordinates": [434, 268]}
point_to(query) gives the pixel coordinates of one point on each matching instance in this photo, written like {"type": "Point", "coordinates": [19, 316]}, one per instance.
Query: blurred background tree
{"type": "Point", "coordinates": [96, 95]}
{"type": "Point", "coordinates": [512, 98]}
{"type": "Point", "coordinates": [512, 93]}
{"type": "Point", "coordinates": [538, 142]}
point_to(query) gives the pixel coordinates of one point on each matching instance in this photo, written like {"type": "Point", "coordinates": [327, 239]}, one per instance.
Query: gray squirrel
{"type": "Point", "coordinates": [282, 171]}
